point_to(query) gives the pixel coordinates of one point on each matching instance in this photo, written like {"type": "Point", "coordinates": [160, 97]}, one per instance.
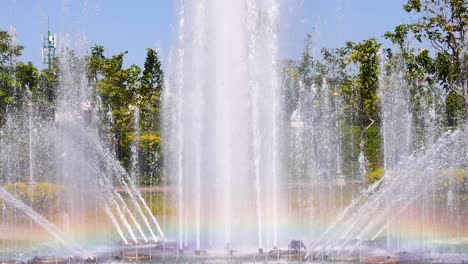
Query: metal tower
{"type": "Point", "coordinates": [49, 44]}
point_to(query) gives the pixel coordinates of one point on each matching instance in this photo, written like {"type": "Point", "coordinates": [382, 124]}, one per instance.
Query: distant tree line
{"type": "Point", "coordinates": [352, 72]}
{"type": "Point", "coordinates": [121, 90]}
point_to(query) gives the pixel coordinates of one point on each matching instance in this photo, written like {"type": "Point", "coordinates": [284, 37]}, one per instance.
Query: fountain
{"type": "Point", "coordinates": [250, 178]}
{"type": "Point", "coordinates": [72, 175]}
{"type": "Point", "coordinates": [222, 114]}
{"type": "Point", "coordinates": [411, 180]}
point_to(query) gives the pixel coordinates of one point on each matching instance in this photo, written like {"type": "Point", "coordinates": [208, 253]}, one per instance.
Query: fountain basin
{"type": "Point", "coordinates": [50, 260]}
{"type": "Point", "coordinates": [379, 260]}
{"type": "Point", "coordinates": [199, 252]}
{"type": "Point", "coordinates": [133, 256]}
{"type": "Point", "coordinates": [288, 254]}
{"type": "Point", "coordinates": [10, 261]}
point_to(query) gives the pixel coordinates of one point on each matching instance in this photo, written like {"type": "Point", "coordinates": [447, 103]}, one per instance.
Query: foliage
{"type": "Point", "coordinates": [123, 91]}
{"type": "Point", "coordinates": [373, 144]}
{"type": "Point", "coordinates": [149, 100]}
{"type": "Point", "coordinates": [116, 88]}
{"type": "Point", "coordinates": [350, 149]}
{"type": "Point", "coordinates": [27, 76]}
{"type": "Point", "coordinates": [153, 76]}
{"type": "Point", "coordinates": [9, 52]}
{"type": "Point", "coordinates": [21, 82]}
{"type": "Point", "coordinates": [8, 49]}
{"type": "Point", "coordinates": [455, 179]}
{"type": "Point", "coordinates": [43, 197]}
{"type": "Point", "coordinates": [291, 89]}
{"type": "Point", "coordinates": [156, 203]}
{"type": "Point", "coordinates": [46, 197]}
{"type": "Point", "coordinates": [306, 65]}
{"type": "Point", "coordinates": [443, 24]}
{"type": "Point", "coordinates": [351, 72]}
{"type": "Point", "coordinates": [18, 189]}
{"type": "Point", "coordinates": [365, 55]}
{"type": "Point", "coordinates": [454, 107]}
{"type": "Point", "coordinates": [375, 175]}
{"type": "Point", "coordinates": [149, 140]}
{"type": "Point", "coordinates": [459, 175]}
{"type": "Point", "coordinates": [45, 94]}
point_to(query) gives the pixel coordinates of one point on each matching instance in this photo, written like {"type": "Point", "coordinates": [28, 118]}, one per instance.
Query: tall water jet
{"type": "Point", "coordinates": [222, 108]}
{"type": "Point", "coordinates": [396, 117]}
{"type": "Point", "coordinates": [75, 124]}
{"type": "Point", "coordinates": [316, 169]}
{"type": "Point", "coordinates": [396, 113]}
{"type": "Point", "coordinates": [134, 148]}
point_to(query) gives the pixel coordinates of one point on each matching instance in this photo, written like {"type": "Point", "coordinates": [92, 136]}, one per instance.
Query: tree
{"type": "Point", "coordinates": [341, 76]}
{"type": "Point", "coordinates": [311, 70]}
{"type": "Point", "coordinates": [149, 102]}
{"type": "Point", "coordinates": [443, 23]}
{"type": "Point", "coordinates": [291, 90]}
{"type": "Point", "coordinates": [116, 87]}
{"type": "Point", "coordinates": [365, 56]}
{"type": "Point", "coordinates": [153, 76]}
{"type": "Point", "coordinates": [342, 79]}
{"type": "Point", "coordinates": [96, 62]}
{"type": "Point", "coordinates": [27, 76]}
{"type": "Point", "coordinates": [9, 51]}
{"type": "Point", "coordinates": [121, 90]}
{"type": "Point", "coordinates": [150, 91]}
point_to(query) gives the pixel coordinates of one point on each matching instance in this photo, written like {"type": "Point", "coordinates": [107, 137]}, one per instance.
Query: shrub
{"type": "Point", "coordinates": [44, 197]}
{"type": "Point", "coordinates": [460, 175]}
{"type": "Point", "coordinates": [375, 175]}
{"type": "Point", "coordinates": [18, 189]}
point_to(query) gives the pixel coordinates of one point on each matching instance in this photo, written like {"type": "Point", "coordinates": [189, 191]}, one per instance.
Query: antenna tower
{"type": "Point", "coordinates": [49, 44]}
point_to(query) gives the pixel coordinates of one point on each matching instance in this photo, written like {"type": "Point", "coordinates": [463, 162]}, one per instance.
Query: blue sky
{"type": "Point", "coordinates": [134, 26]}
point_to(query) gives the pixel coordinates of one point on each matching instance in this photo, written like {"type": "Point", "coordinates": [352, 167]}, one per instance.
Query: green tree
{"type": "Point", "coordinates": [9, 52]}
{"type": "Point", "coordinates": [342, 78]}
{"type": "Point", "coordinates": [47, 84]}
{"type": "Point", "coordinates": [310, 69]}
{"type": "Point", "coordinates": [27, 76]}
{"type": "Point", "coordinates": [149, 102]}
{"type": "Point", "coordinates": [442, 23]}
{"type": "Point", "coordinates": [96, 63]}
{"type": "Point", "coordinates": [291, 90]}
{"type": "Point", "coordinates": [150, 92]}
{"type": "Point", "coordinates": [366, 57]}
{"type": "Point", "coordinates": [153, 75]}
{"type": "Point", "coordinates": [117, 87]}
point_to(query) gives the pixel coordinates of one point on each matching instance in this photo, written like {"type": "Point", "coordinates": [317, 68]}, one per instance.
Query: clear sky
{"type": "Point", "coordinates": [136, 25]}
